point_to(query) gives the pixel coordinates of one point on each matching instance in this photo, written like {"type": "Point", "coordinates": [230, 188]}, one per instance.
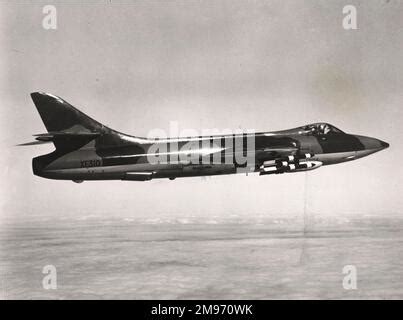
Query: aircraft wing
{"type": "Point", "coordinates": [275, 152]}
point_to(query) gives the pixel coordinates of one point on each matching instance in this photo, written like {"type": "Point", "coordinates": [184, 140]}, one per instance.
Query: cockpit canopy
{"type": "Point", "coordinates": [319, 129]}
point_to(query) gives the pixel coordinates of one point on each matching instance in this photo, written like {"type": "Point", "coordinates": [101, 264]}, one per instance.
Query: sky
{"type": "Point", "coordinates": [136, 66]}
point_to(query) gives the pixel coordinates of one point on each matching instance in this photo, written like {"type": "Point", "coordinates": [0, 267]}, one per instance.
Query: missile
{"type": "Point", "coordinates": [287, 164]}
{"type": "Point", "coordinates": [292, 167]}
{"type": "Point", "coordinates": [296, 158]}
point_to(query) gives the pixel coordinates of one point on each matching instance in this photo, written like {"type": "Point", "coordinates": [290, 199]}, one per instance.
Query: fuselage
{"type": "Point", "coordinates": [116, 156]}
{"type": "Point", "coordinates": [87, 150]}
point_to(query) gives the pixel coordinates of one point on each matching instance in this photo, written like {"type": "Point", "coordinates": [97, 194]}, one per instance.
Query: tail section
{"type": "Point", "coordinates": [68, 128]}
{"type": "Point", "coordinates": [59, 116]}
{"type": "Point", "coordinates": [76, 137]}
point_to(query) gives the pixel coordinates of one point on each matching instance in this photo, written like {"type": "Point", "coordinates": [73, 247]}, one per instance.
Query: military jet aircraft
{"type": "Point", "coordinates": [87, 150]}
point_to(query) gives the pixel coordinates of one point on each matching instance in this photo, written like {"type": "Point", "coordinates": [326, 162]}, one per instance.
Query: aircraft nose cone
{"type": "Point", "coordinates": [372, 143]}
{"type": "Point", "coordinates": [384, 144]}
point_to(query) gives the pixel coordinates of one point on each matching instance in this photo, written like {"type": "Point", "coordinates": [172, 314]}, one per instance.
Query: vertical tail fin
{"type": "Point", "coordinates": [70, 129]}
{"type": "Point", "coordinates": [59, 116]}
